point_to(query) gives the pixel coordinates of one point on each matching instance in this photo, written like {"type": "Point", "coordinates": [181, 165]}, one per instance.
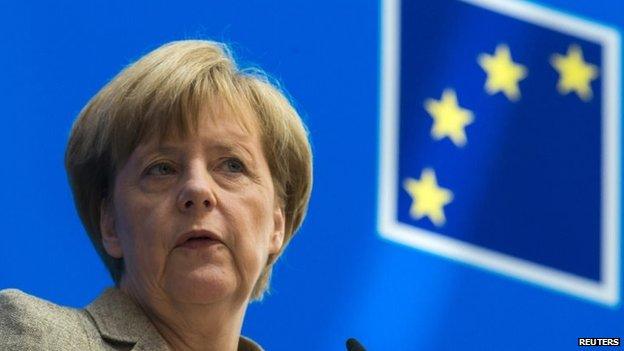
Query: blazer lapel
{"type": "Point", "coordinates": [120, 320]}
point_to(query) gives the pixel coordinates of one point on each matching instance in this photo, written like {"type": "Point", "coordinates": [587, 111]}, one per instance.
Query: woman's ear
{"type": "Point", "coordinates": [277, 236]}
{"type": "Point", "coordinates": [110, 239]}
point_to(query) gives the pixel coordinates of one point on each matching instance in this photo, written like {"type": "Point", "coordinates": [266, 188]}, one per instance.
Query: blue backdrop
{"type": "Point", "coordinates": [339, 278]}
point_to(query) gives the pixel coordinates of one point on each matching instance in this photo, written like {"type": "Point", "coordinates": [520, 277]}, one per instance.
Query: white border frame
{"type": "Point", "coordinates": [608, 290]}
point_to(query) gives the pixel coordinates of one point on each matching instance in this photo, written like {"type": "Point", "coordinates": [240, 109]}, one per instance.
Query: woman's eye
{"type": "Point", "coordinates": [234, 165]}
{"type": "Point", "coordinates": [160, 169]}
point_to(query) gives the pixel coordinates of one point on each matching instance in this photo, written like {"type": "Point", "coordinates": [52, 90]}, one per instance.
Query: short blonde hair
{"type": "Point", "coordinates": [162, 93]}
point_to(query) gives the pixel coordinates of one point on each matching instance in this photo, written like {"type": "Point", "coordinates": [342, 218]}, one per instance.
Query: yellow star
{"type": "Point", "coordinates": [574, 73]}
{"type": "Point", "coordinates": [502, 73]}
{"type": "Point", "coordinates": [449, 119]}
{"type": "Point", "coordinates": [427, 197]}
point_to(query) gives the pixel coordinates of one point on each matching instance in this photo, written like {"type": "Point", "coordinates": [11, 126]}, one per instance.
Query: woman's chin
{"type": "Point", "coordinates": [202, 285]}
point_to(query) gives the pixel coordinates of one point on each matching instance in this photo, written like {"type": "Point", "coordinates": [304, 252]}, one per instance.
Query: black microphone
{"type": "Point", "coordinates": [354, 345]}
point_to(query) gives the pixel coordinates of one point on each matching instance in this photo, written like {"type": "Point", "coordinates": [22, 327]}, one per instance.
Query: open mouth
{"type": "Point", "coordinates": [197, 243]}
{"type": "Point", "coordinates": [197, 239]}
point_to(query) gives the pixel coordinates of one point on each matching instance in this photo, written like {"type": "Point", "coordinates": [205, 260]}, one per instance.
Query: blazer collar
{"type": "Point", "coordinates": [119, 319]}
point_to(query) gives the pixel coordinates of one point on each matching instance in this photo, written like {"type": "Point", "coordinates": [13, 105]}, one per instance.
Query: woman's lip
{"type": "Point", "coordinates": [199, 236]}
{"type": "Point", "coordinates": [199, 243]}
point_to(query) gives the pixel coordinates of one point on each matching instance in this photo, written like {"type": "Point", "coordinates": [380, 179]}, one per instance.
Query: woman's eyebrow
{"type": "Point", "coordinates": [159, 149]}
{"type": "Point", "coordinates": [221, 147]}
{"type": "Point", "coordinates": [233, 148]}
{"type": "Point", "coordinates": [168, 149]}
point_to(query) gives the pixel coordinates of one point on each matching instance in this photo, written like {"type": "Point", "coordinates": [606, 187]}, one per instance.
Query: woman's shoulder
{"type": "Point", "coordinates": [31, 323]}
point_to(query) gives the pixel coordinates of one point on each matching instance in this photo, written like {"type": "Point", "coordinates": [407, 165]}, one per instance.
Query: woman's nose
{"type": "Point", "coordinates": [197, 193]}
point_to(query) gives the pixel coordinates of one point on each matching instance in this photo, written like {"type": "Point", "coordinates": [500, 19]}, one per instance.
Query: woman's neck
{"type": "Point", "coordinates": [193, 327]}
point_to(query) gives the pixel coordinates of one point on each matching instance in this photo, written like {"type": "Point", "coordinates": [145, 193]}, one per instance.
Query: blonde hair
{"type": "Point", "coordinates": [162, 93]}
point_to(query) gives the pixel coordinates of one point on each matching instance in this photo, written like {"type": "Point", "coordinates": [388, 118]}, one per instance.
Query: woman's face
{"type": "Point", "coordinates": [195, 220]}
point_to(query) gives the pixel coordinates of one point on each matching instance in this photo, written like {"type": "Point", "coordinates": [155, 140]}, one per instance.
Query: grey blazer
{"type": "Point", "coordinates": [111, 322]}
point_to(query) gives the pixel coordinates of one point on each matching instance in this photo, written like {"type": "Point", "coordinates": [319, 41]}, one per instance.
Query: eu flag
{"type": "Point", "coordinates": [500, 140]}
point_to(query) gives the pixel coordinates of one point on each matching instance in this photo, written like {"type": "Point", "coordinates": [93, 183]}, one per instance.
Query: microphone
{"type": "Point", "coordinates": [354, 345]}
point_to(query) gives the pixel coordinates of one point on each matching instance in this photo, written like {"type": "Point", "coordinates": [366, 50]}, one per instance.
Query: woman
{"type": "Point", "coordinates": [190, 177]}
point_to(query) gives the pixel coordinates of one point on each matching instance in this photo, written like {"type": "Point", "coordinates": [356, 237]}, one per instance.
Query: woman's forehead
{"type": "Point", "coordinates": [214, 117]}
{"type": "Point", "coordinates": [237, 117]}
